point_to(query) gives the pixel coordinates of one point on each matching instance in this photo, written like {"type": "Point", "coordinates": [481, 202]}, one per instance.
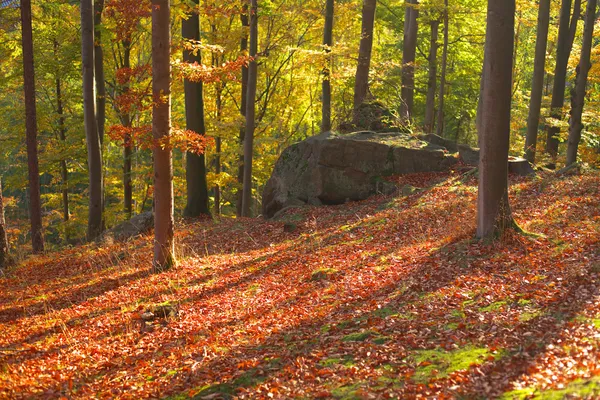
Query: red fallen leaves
{"type": "Point", "coordinates": [253, 322]}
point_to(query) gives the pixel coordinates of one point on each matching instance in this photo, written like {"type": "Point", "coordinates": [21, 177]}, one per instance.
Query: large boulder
{"type": "Point", "coordinates": [332, 168]}
{"type": "Point", "coordinates": [137, 225]}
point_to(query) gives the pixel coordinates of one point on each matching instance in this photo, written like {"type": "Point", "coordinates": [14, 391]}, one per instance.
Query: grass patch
{"type": "Point", "coordinates": [357, 336]}
{"type": "Point", "coordinates": [439, 363]}
{"type": "Point", "coordinates": [579, 388]}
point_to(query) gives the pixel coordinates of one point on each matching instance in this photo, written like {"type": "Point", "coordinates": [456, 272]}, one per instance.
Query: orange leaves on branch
{"type": "Point", "coordinates": [182, 139]}
{"type": "Point", "coordinates": [127, 15]}
{"type": "Point", "coordinates": [201, 73]}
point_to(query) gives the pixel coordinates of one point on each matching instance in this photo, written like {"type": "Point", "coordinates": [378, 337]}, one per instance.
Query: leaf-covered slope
{"type": "Point", "coordinates": [385, 298]}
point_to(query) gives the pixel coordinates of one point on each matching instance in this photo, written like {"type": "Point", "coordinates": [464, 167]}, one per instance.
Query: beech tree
{"type": "Point", "coordinates": [537, 86]}
{"type": "Point", "coordinates": [99, 69]}
{"type": "Point", "coordinates": [326, 85]}
{"type": "Point", "coordinates": [493, 209]}
{"type": "Point", "coordinates": [35, 211]}
{"type": "Point", "coordinates": [578, 95]}
{"type": "Point", "coordinates": [440, 113]}
{"type": "Point", "coordinates": [432, 77]}
{"type": "Point", "coordinates": [197, 187]}
{"type": "Point", "coordinates": [361, 85]}
{"type": "Point", "coordinates": [408, 59]}
{"type": "Point", "coordinates": [4, 256]}
{"type": "Point", "coordinates": [164, 246]}
{"type": "Point", "coordinates": [90, 122]}
{"type": "Point", "coordinates": [250, 111]}
{"type": "Point", "coordinates": [245, 21]}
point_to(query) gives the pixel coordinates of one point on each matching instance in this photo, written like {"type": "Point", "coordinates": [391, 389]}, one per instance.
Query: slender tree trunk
{"type": "Point", "coordinates": [408, 60]}
{"type": "Point", "coordinates": [243, 104]}
{"type": "Point", "coordinates": [440, 115]}
{"type": "Point", "coordinates": [537, 86]}
{"type": "Point", "coordinates": [250, 111]}
{"type": "Point", "coordinates": [128, 144]}
{"type": "Point", "coordinates": [99, 69]}
{"type": "Point", "coordinates": [326, 85]}
{"type": "Point", "coordinates": [493, 210]}
{"type": "Point", "coordinates": [62, 131]}
{"type": "Point", "coordinates": [197, 187]}
{"type": "Point", "coordinates": [578, 98]}
{"type": "Point", "coordinates": [361, 85]}
{"type": "Point", "coordinates": [164, 246]}
{"type": "Point", "coordinates": [432, 80]}
{"type": "Point", "coordinates": [566, 31]}
{"type": "Point", "coordinates": [216, 61]}
{"type": "Point", "coordinates": [4, 254]}
{"type": "Point", "coordinates": [35, 210]}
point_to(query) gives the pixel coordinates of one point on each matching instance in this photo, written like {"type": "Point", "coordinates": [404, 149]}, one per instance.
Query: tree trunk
{"type": "Point", "coordinates": [440, 115]}
{"type": "Point", "coordinates": [243, 104]}
{"type": "Point", "coordinates": [216, 61]}
{"type": "Point", "coordinates": [197, 187]}
{"type": "Point", "coordinates": [563, 50]}
{"type": "Point", "coordinates": [99, 69]}
{"type": "Point", "coordinates": [578, 98]}
{"type": "Point", "coordinates": [361, 85]}
{"type": "Point", "coordinates": [35, 210]}
{"type": "Point", "coordinates": [128, 144]}
{"type": "Point", "coordinates": [537, 86]}
{"type": "Point", "coordinates": [164, 248]}
{"type": "Point", "coordinates": [431, 82]}
{"type": "Point", "coordinates": [250, 111]}
{"type": "Point", "coordinates": [493, 210]}
{"type": "Point", "coordinates": [326, 85]}
{"type": "Point", "coordinates": [4, 255]}
{"type": "Point", "coordinates": [408, 60]}
{"type": "Point", "coordinates": [89, 113]}
{"type": "Point", "coordinates": [62, 131]}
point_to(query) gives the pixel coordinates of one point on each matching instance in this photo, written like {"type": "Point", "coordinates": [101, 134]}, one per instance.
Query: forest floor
{"type": "Point", "coordinates": [386, 298]}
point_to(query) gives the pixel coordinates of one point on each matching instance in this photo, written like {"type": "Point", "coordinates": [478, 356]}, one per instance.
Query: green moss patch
{"type": "Point", "coordinates": [439, 363]}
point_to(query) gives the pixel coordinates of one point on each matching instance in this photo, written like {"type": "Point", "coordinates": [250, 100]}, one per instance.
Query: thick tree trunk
{"type": "Point", "coordinates": [440, 115]}
{"type": "Point", "coordinates": [127, 145]}
{"type": "Point", "coordinates": [250, 111]}
{"type": "Point", "coordinates": [566, 29]}
{"type": "Point", "coordinates": [578, 98]}
{"type": "Point", "coordinates": [35, 210]}
{"type": "Point", "coordinates": [432, 78]}
{"type": "Point", "coordinates": [164, 248]}
{"type": "Point", "coordinates": [4, 255]}
{"type": "Point", "coordinates": [408, 60]}
{"type": "Point", "coordinates": [537, 86]}
{"type": "Point", "coordinates": [326, 85]}
{"type": "Point", "coordinates": [493, 210]}
{"type": "Point", "coordinates": [197, 187]}
{"type": "Point", "coordinates": [243, 104]}
{"type": "Point", "coordinates": [361, 85]}
{"type": "Point", "coordinates": [99, 69]}
{"type": "Point", "coordinates": [89, 113]}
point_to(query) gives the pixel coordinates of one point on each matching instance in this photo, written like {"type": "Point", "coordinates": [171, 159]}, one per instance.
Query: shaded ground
{"type": "Point", "coordinates": [385, 298]}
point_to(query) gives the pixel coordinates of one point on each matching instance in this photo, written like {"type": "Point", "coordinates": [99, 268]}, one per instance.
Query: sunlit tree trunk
{"type": "Point", "coordinates": [35, 210]}
{"type": "Point", "coordinates": [361, 85]}
{"type": "Point", "coordinates": [432, 78]}
{"type": "Point", "coordinates": [408, 59]}
{"type": "Point", "coordinates": [164, 247]}
{"type": "Point", "coordinates": [4, 255]}
{"type": "Point", "coordinates": [128, 144]}
{"type": "Point", "coordinates": [493, 210]}
{"type": "Point", "coordinates": [326, 85]}
{"type": "Point", "coordinates": [243, 104]}
{"type": "Point", "coordinates": [578, 99]}
{"type": "Point", "coordinates": [566, 29]}
{"type": "Point", "coordinates": [197, 187]}
{"type": "Point", "coordinates": [99, 69]}
{"type": "Point", "coordinates": [537, 86]}
{"type": "Point", "coordinates": [440, 114]}
{"type": "Point", "coordinates": [216, 61]}
{"type": "Point", "coordinates": [90, 122]}
{"type": "Point", "coordinates": [250, 111]}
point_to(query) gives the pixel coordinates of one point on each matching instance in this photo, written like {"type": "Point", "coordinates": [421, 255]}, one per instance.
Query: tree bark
{"type": "Point", "coordinates": [537, 85]}
{"type": "Point", "coordinates": [243, 104]}
{"type": "Point", "coordinates": [127, 145]}
{"type": "Point", "coordinates": [408, 60]}
{"type": "Point", "coordinates": [4, 254]}
{"type": "Point", "coordinates": [578, 98]}
{"type": "Point", "coordinates": [493, 209]}
{"type": "Point", "coordinates": [197, 187]}
{"type": "Point", "coordinates": [62, 131]}
{"type": "Point", "coordinates": [99, 69]}
{"type": "Point", "coordinates": [326, 85]}
{"type": "Point", "coordinates": [216, 61]}
{"type": "Point", "coordinates": [35, 211]}
{"type": "Point", "coordinates": [440, 115]}
{"type": "Point", "coordinates": [361, 85]}
{"type": "Point", "coordinates": [250, 111]}
{"type": "Point", "coordinates": [566, 35]}
{"type": "Point", "coordinates": [432, 78]}
{"type": "Point", "coordinates": [164, 247]}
